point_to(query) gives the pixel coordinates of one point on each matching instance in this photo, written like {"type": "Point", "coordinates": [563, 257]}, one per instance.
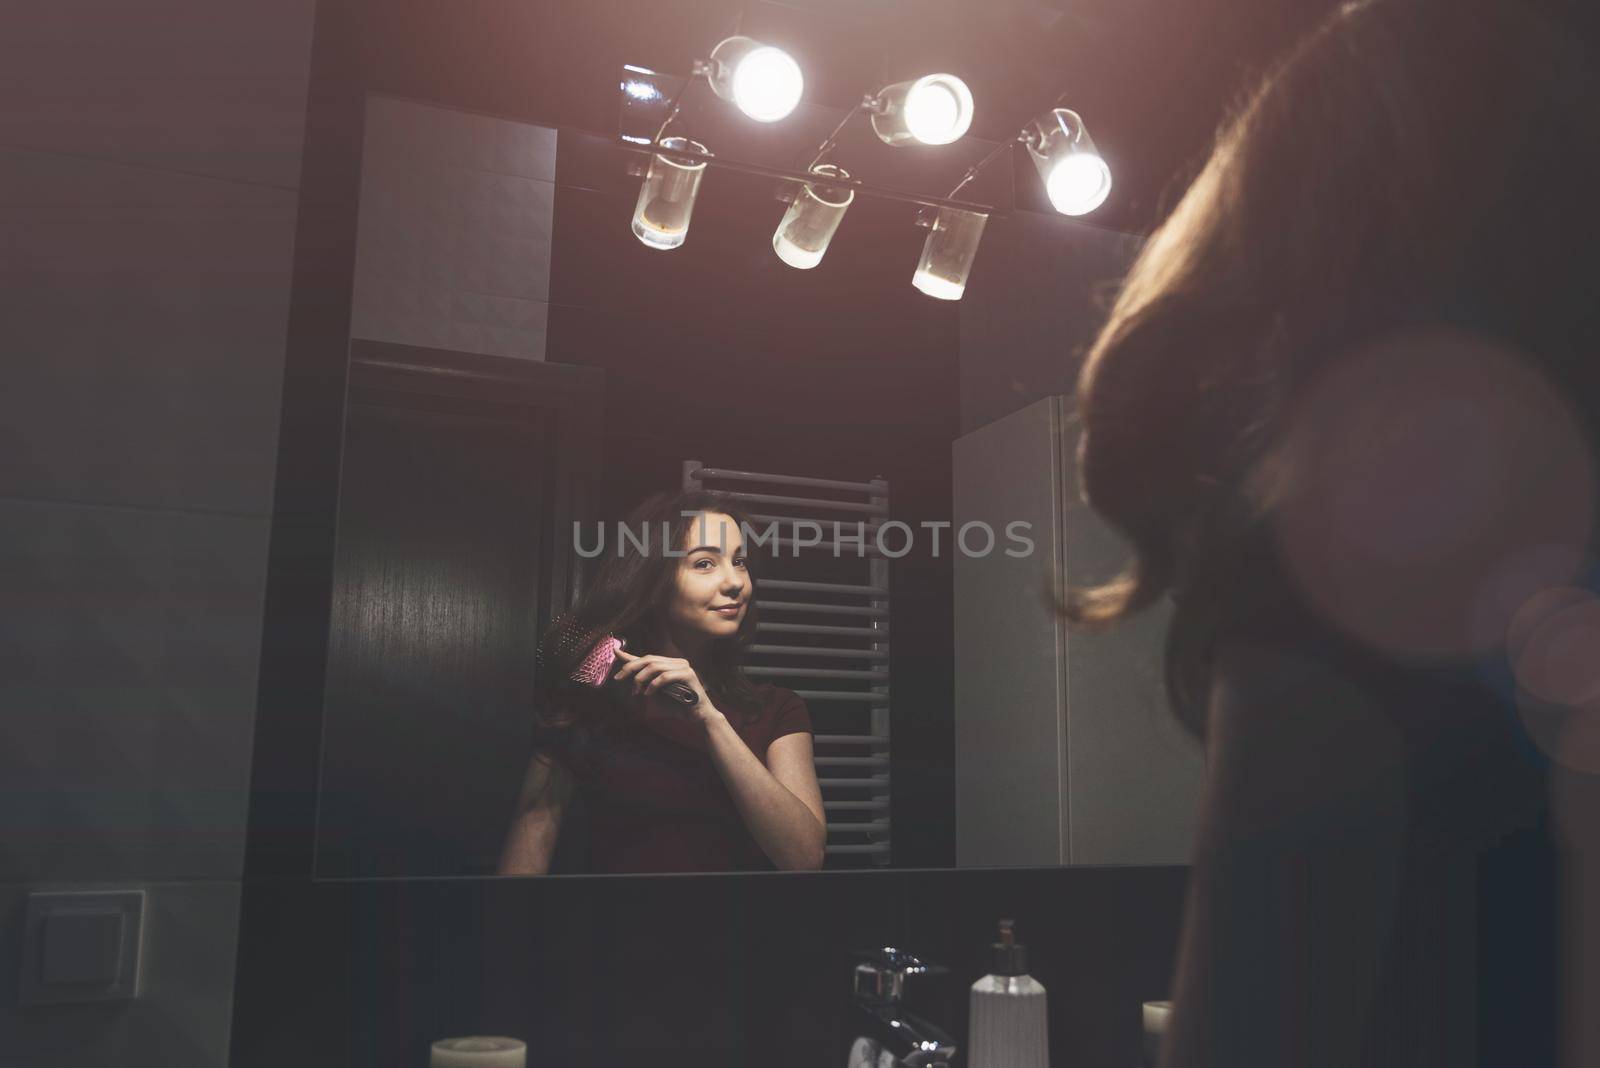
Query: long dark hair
{"type": "Point", "coordinates": [626, 598]}
{"type": "Point", "coordinates": [1409, 162]}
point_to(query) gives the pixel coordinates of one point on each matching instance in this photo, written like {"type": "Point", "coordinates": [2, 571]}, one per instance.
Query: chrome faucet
{"type": "Point", "coordinates": [884, 1023]}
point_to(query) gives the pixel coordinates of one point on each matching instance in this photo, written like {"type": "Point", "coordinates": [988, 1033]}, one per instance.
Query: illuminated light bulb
{"type": "Point", "coordinates": [935, 109]}
{"type": "Point", "coordinates": [762, 81]}
{"type": "Point", "coordinates": [1078, 184]}
{"type": "Point", "coordinates": [1075, 178]}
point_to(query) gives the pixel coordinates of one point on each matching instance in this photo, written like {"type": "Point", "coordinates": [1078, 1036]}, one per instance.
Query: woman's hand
{"type": "Point", "coordinates": [650, 673]}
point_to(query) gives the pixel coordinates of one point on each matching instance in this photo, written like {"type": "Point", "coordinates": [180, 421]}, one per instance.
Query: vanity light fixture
{"type": "Point", "coordinates": [765, 83]}
{"type": "Point", "coordinates": [935, 109]}
{"type": "Point", "coordinates": [760, 80]}
{"type": "Point", "coordinates": [814, 214]}
{"type": "Point", "coordinates": [666, 197]}
{"type": "Point", "coordinates": [1075, 178]}
{"type": "Point", "coordinates": [948, 252]}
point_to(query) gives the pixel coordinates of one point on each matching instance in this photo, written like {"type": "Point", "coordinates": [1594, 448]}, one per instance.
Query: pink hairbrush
{"type": "Point", "coordinates": [594, 670]}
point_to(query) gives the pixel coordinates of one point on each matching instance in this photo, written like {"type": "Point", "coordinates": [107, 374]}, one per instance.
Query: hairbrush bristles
{"type": "Point", "coordinates": [566, 643]}
{"type": "Point", "coordinates": [587, 656]}
{"type": "Point", "coordinates": [595, 668]}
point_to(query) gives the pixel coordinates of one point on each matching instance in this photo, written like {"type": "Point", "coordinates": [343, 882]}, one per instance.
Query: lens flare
{"type": "Point", "coordinates": [1439, 482]}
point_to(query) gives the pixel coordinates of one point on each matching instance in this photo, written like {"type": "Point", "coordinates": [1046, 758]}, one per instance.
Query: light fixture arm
{"type": "Point", "coordinates": [974, 170]}
{"type": "Point", "coordinates": [869, 102]}
{"type": "Point", "coordinates": [701, 69]}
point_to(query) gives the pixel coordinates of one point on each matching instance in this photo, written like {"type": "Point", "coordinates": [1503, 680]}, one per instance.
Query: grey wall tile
{"type": "Point", "coordinates": [454, 235]}
{"type": "Point", "coordinates": [145, 316]}
{"type": "Point", "coordinates": [187, 85]}
{"type": "Point", "coordinates": [412, 131]}
{"type": "Point", "coordinates": [181, 1018]}
{"type": "Point", "coordinates": [128, 667]}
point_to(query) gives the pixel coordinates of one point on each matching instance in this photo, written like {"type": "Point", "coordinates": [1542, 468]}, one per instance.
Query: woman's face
{"type": "Point", "coordinates": [714, 589]}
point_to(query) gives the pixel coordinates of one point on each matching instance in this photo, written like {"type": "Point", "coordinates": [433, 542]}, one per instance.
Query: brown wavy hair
{"type": "Point", "coordinates": [1409, 162]}
{"type": "Point", "coordinates": [626, 597]}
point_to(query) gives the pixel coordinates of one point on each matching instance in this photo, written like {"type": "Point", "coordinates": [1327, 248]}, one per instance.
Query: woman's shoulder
{"type": "Point", "coordinates": [772, 698]}
{"type": "Point", "coordinates": [779, 711]}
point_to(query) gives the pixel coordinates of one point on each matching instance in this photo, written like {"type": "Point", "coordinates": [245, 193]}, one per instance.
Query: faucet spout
{"type": "Point", "coordinates": [913, 1041]}
{"type": "Point", "coordinates": [878, 987]}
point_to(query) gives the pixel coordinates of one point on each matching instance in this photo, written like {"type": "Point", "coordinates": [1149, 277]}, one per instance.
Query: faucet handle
{"type": "Point", "coordinates": [881, 975]}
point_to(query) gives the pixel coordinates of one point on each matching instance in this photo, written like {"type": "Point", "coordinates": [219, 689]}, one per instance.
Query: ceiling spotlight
{"type": "Point", "coordinates": [815, 213]}
{"type": "Point", "coordinates": [935, 109]}
{"type": "Point", "coordinates": [666, 199]}
{"type": "Point", "coordinates": [948, 253]}
{"type": "Point", "coordinates": [1075, 178]}
{"type": "Point", "coordinates": [762, 81]}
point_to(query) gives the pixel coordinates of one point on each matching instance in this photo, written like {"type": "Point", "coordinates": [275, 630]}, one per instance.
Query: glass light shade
{"type": "Point", "coordinates": [935, 109]}
{"type": "Point", "coordinates": [1075, 178]}
{"type": "Point", "coordinates": [762, 81]}
{"type": "Point", "coordinates": [948, 253]}
{"type": "Point", "coordinates": [815, 213]}
{"type": "Point", "coordinates": [666, 198]}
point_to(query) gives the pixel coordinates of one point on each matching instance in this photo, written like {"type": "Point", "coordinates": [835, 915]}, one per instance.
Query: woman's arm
{"type": "Point", "coordinates": [1297, 868]}
{"type": "Point", "coordinates": [537, 822]}
{"type": "Point", "coordinates": [781, 805]}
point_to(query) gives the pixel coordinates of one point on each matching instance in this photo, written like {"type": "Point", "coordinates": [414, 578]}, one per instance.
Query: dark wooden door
{"type": "Point", "coordinates": [461, 479]}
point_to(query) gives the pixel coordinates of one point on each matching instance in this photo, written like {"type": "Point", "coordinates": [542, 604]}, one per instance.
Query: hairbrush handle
{"type": "Point", "coordinates": [684, 695]}
{"type": "Point", "coordinates": [681, 693]}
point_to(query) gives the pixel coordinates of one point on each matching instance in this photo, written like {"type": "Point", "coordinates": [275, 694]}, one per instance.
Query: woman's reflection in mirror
{"type": "Point", "coordinates": [725, 784]}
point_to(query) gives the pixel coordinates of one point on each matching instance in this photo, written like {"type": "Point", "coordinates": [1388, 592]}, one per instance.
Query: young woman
{"type": "Point", "coordinates": [1346, 411]}
{"type": "Point", "coordinates": [727, 784]}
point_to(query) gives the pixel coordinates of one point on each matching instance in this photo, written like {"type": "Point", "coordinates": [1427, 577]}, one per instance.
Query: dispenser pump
{"type": "Point", "coordinates": [1010, 957]}
{"type": "Point", "coordinates": [1010, 1027]}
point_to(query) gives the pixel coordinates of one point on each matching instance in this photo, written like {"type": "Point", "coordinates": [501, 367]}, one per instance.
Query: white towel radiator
{"type": "Point", "coordinates": [824, 633]}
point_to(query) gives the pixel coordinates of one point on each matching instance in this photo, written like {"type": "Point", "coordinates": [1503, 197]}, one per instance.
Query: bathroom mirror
{"type": "Point", "coordinates": [522, 370]}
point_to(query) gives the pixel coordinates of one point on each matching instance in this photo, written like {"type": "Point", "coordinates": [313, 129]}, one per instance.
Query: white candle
{"type": "Point", "coordinates": [479, 1052]}
{"type": "Point", "coordinates": [1156, 1015]}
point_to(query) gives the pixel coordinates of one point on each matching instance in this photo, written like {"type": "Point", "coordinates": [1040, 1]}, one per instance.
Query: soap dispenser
{"type": "Point", "coordinates": [1009, 1026]}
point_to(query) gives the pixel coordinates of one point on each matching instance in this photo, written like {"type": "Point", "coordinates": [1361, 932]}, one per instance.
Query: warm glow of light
{"type": "Point", "coordinates": [793, 254]}
{"type": "Point", "coordinates": [767, 84]}
{"type": "Point", "coordinates": [1078, 183]}
{"type": "Point", "coordinates": [935, 286]}
{"type": "Point", "coordinates": [938, 109]}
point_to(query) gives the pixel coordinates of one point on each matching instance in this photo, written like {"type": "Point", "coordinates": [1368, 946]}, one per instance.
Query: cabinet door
{"type": "Point", "coordinates": [1065, 750]}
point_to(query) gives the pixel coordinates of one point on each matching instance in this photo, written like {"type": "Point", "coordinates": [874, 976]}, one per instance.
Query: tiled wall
{"type": "Point", "coordinates": [453, 243]}
{"type": "Point", "coordinates": [149, 167]}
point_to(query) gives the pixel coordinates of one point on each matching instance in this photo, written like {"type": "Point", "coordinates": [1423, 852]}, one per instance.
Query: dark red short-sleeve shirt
{"type": "Point", "coordinates": [656, 801]}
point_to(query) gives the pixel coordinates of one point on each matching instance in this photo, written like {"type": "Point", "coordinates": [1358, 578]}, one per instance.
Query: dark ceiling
{"type": "Point", "coordinates": [1151, 78]}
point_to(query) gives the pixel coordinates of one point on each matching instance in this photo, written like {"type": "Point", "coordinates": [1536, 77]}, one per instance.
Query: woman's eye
{"type": "Point", "coordinates": [702, 560]}
{"type": "Point", "coordinates": [738, 561]}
